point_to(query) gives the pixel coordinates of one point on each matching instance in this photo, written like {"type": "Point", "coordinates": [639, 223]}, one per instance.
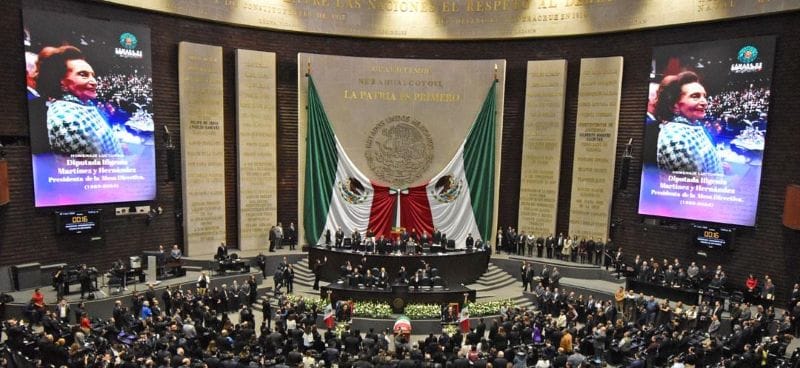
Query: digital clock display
{"type": "Point", "coordinates": [74, 222]}
{"type": "Point", "coordinates": [712, 236]}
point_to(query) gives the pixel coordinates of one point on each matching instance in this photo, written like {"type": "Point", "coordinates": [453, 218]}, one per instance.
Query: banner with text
{"type": "Point", "coordinates": [202, 146]}
{"type": "Point", "coordinates": [256, 144]}
{"type": "Point", "coordinates": [90, 108]}
{"type": "Point", "coordinates": [595, 147]}
{"type": "Point", "coordinates": [541, 146]}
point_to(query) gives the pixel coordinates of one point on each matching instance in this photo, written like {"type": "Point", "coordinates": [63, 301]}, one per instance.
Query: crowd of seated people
{"type": "Point", "coordinates": [191, 329]}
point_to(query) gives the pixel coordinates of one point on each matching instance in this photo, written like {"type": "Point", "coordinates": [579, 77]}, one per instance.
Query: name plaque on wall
{"type": "Point", "coordinates": [457, 19]}
{"type": "Point", "coordinates": [256, 146]}
{"type": "Point", "coordinates": [541, 146]}
{"type": "Point", "coordinates": [595, 147]}
{"type": "Point", "coordinates": [202, 146]}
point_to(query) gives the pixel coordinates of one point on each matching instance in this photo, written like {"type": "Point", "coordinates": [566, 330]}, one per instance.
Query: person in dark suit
{"type": "Point", "coordinates": [384, 244]}
{"type": "Point", "coordinates": [524, 273]}
{"type": "Point", "coordinates": [549, 245]}
{"type": "Point", "coordinates": [424, 239]}
{"type": "Point", "coordinates": [291, 236]}
{"type": "Point", "coordinates": [318, 271]}
{"type": "Point", "coordinates": [470, 241]}
{"type": "Point", "coordinates": [416, 281]}
{"type": "Point", "coordinates": [222, 252]}
{"type": "Point", "coordinates": [339, 238]}
{"type": "Point", "coordinates": [437, 236]}
{"type": "Point", "coordinates": [355, 239]}
{"type": "Point", "coordinates": [402, 275]}
{"type": "Point", "coordinates": [85, 280]}
{"type": "Point", "coordinates": [266, 308]}
{"type": "Point", "coordinates": [327, 238]}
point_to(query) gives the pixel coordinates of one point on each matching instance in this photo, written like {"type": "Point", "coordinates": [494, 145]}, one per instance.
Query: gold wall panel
{"type": "Point", "coordinates": [202, 146]}
{"type": "Point", "coordinates": [541, 146]}
{"type": "Point", "coordinates": [256, 138]}
{"type": "Point", "coordinates": [599, 93]}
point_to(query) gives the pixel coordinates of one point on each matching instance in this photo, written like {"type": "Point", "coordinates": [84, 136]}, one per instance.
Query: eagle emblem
{"type": "Point", "coordinates": [447, 189]}
{"type": "Point", "coordinates": [352, 191]}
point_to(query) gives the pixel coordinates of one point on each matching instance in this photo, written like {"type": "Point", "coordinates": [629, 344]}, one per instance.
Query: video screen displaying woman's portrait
{"type": "Point", "coordinates": [90, 107]}
{"type": "Point", "coordinates": [705, 130]}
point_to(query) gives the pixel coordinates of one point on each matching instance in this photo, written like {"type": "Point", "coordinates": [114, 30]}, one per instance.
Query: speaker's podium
{"type": "Point", "coordinates": [451, 245]}
{"type": "Point", "coordinates": [347, 243]}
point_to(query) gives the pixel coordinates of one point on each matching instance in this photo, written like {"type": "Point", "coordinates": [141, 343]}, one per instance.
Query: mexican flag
{"type": "Point", "coordinates": [402, 325]}
{"type": "Point", "coordinates": [337, 193]}
{"type": "Point", "coordinates": [330, 317]}
{"type": "Point", "coordinates": [463, 319]}
{"type": "Point", "coordinates": [458, 201]}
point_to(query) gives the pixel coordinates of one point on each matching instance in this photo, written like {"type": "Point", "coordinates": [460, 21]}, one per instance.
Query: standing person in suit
{"type": "Point", "coordinates": [559, 245]}
{"type": "Point", "coordinates": [355, 239]}
{"type": "Point", "coordinates": [62, 311]}
{"type": "Point", "coordinates": [590, 250]}
{"type": "Point", "coordinates": [86, 281]}
{"type": "Point", "coordinates": [266, 308]}
{"type": "Point", "coordinates": [549, 244]}
{"type": "Point", "coordinates": [288, 278]}
{"type": "Point", "coordinates": [540, 247]}
{"type": "Point", "coordinates": [599, 252]}
{"type": "Point", "coordinates": [523, 270]}
{"type": "Point", "coordinates": [555, 277]}
{"type": "Point", "coordinates": [328, 238]}
{"type": "Point", "coordinates": [58, 282]}
{"type": "Point", "coordinates": [222, 252]}
{"type": "Point", "coordinates": [279, 236]}
{"type": "Point", "coordinates": [339, 238]}
{"type": "Point", "coordinates": [318, 271]}
{"type": "Point", "coordinates": [252, 290]}
{"type": "Point", "coordinates": [290, 236]}
{"type": "Point", "coordinates": [272, 240]}
{"type": "Point", "coordinates": [545, 276]}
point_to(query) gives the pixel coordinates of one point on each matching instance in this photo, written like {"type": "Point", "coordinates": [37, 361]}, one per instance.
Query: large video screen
{"type": "Point", "coordinates": [90, 108]}
{"type": "Point", "coordinates": [705, 130]}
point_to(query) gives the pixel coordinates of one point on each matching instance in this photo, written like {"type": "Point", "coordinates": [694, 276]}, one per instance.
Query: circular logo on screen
{"type": "Point", "coordinates": [748, 54]}
{"type": "Point", "coordinates": [399, 150]}
{"type": "Point", "coordinates": [128, 41]}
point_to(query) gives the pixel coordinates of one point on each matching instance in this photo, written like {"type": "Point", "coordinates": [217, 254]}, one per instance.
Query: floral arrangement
{"type": "Point", "coordinates": [490, 308]}
{"type": "Point", "coordinates": [450, 329]}
{"type": "Point", "coordinates": [339, 328]}
{"type": "Point", "coordinates": [372, 310]}
{"type": "Point", "coordinates": [423, 311]}
{"type": "Point", "coordinates": [381, 310]}
{"type": "Point", "coordinates": [310, 301]}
